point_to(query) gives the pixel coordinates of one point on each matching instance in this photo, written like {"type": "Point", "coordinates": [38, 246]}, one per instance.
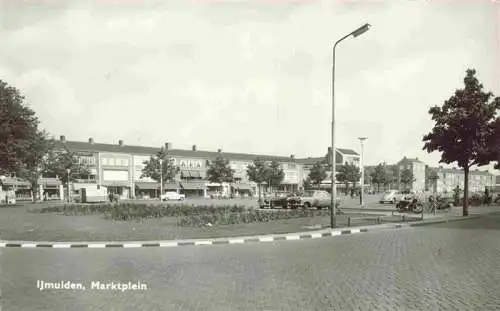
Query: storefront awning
{"type": "Point", "coordinates": [243, 187]}
{"type": "Point", "coordinates": [50, 182]}
{"type": "Point", "coordinates": [115, 184]}
{"type": "Point", "coordinates": [147, 185]}
{"type": "Point", "coordinates": [15, 182]}
{"type": "Point", "coordinates": [193, 185]}
{"type": "Point", "coordinates": [171, 185]}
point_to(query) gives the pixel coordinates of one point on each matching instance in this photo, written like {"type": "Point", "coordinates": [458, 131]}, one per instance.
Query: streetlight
{"type": "Point", "coordinates": [69, 192]}
{"type": "Point", "coordinates": [161, 176]}
{"type": "Point", "coordinates": [358, 32]}
{"type": "Point", "coordinates": [361, 167]}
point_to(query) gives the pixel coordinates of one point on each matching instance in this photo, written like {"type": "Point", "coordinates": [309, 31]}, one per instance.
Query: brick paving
{"type": "Point", "coordinates": [451, 266]}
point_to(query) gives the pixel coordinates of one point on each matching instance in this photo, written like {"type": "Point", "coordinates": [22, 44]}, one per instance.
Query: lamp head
{"type": "Point", "coordinates": [361, 30]}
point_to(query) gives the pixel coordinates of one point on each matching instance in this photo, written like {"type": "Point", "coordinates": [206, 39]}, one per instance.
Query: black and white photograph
{"type": "Point", "coordinates": [224, 155]}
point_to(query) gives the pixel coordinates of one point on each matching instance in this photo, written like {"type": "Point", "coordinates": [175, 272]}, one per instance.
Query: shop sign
{"type": "Point", "coordinates": [190, 164]}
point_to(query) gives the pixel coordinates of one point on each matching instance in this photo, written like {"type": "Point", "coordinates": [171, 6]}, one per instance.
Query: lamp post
{"type": "Point", "coordinates": [361, 30]}
{"type": "Point", "coordinates": [69, 191]}
{"type": "Point", "coordinates": [361, 167]}
{"type": "Point", "coordinates": [161, 177]}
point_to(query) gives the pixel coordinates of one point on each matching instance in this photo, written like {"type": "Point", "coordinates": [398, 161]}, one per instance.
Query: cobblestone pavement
{"type": "Point", "coordinates": [452, 266]}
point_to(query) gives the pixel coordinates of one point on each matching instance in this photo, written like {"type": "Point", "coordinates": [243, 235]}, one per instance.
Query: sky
{"type": "Point", "coordinates": [247, 76]}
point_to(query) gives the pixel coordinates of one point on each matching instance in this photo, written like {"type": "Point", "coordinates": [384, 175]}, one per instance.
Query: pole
{"type": "Point", "coordinates": [361, 196]}
{"type": "Point", "coordinates": [69, 191]}
{"type": "Point", "coordinates": [161, 178]}
{"type": "Point", "coordinates": [334, 188]}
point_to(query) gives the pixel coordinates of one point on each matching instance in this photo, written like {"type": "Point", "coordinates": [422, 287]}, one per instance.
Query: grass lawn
{"type": "Point", "coordinates": [17, 223]}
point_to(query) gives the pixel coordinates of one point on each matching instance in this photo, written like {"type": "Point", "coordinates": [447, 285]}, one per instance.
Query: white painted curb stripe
{"type": "Point", "coordinates": [315, 235]}
{"type": "Point", "coordinates": [355, 230]}
{"type": "Point", "coordinates": [28, 245]}
{"type": "Point", "coordinates": [97, 245]}
{"type": "Point", "coordinates": [266, 239]}
{"type": "Point", "coordinates": [203, 243]}
{"type": "Point", "coordinates": [61, 246]}
{"type": "Point", "coordinates": [169, 244]}
{"type": "Point", "coordinates": [292, 237]}
{"type": "Point", "coordinates": [132, 245]}
{"type": "Point", "coordinates": [235, 241]}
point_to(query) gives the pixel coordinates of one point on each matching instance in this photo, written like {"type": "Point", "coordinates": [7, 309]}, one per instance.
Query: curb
{"type": "Point", "coordinates": [234, 240]}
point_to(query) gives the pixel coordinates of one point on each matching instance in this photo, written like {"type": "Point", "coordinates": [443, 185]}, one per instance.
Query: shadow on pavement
{"type": "Point", "coordinates": [482, 222]}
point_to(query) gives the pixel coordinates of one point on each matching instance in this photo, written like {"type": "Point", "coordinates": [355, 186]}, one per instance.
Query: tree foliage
{"type": "Point", "coordinates": [318, 173]}
{"type": "Point", "coordinates": [276, 174]}
{"type": "Point", "coordinates": [161, 160]}
{"type": "Point", "coordinates": [465, 127]}
{"type": "Point", "coordinates": [258, 172]}
{"type": "Point", "coordinates": [407, 178]}
{"type": "Point", "coordinates": [379, 176]}
{"type": "Point", "coordinates": [220, 171]}
{"type": "Point", "coordinates": [57, 163]}
{"type": "Point", "coordinates": [20, 138]}
{"type": "Point", "coordinates": [348, 173]}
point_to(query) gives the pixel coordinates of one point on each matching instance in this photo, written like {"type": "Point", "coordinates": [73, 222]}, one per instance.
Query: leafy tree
{"type": "Point", "coordinates": [464, 128]}
{"type": "Point", "coordinates": [161, 160]}
{"type": "Point", "coordinates": [379, 176]}
{"type": "Point", "coordinates": [307, 183]}
{"type": "Point", "coordinates": [220, 171]}
{"type": "Point", "coordinates": [317, 173]}
{"type": "Point", "coordinates": [407, 178]}
{"type": "Point", "coordinates": [276, 174]}
{"type": "Point", "coordinates": [57, 163]}
{"type": "Point", "coordinates": [432, 178]}
{"type": "Point", "coordinates": [258, 172]}
{"type": "Point", "coordinates": [348, 173]}
{"type": "Point", "coordinates": [19, 133]}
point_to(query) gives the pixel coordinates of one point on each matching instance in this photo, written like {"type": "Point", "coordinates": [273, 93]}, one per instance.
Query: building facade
{"type": "Point", "coordinates": [119, 168]}
{"type": "Point", "coordinates": [417, 168]}
{"type": "Point", "coordinates": [447, 179]}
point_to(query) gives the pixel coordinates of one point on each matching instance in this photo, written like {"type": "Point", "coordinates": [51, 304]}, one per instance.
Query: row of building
{"type": "Point", "coordinates": [438, 179]}
{"type": "Point", "coordinates": [118, 167]}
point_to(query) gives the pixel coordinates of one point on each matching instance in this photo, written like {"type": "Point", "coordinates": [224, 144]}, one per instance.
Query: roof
{"type": "Point", "coordinates": [141, 150]}
{"type": "Point", "coordinates": [409, 160]}
{"type": "Point", "coordinates": [310, 160]}
{"type": "Point", "coordinates": [458, 171]}
{"type": "Point", "coordinates": [347, 151]}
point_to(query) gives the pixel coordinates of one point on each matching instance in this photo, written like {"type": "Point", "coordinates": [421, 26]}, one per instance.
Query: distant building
{"type": "Point", "coordinates": [447, 179]}
{"type": "Point", "coordinates": [417, 167]}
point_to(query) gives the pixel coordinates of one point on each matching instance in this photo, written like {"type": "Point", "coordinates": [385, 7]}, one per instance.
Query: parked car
{"type": "Point", "coordinates": [172, 196]}
{"type": "Point", "coordinates": [391, 196]}
{"type": "Point", "coordinates": [315, 198]}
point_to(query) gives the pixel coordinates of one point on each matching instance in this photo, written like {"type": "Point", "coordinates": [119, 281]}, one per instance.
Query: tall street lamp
{"type": "Point", "coordinates": [69, 191]}
{"type": "Point", "coordinates": [161, 176]}
{"type": "Point", "coordinates": [361, 167]}
{"type": "Point", "coordinates": [358, 32]}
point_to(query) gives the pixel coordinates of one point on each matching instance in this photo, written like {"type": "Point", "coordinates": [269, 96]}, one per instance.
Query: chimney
{"type": "Point", "coordinates": [194, 148]}
{"type": "Point", "coordinates": [219, 150]}
{"type": "Point", "coordinates": [91, 141]}
{"type": "Point", "coordinates": [168, 146]}
{"type": "Point", "coordinates": [62, 138]}
{"type": "Point", "coordinates": [292, 157]}
{"type": "Point", "coordinates": [416, 158]}
{"type": "Point", "coordinates": [120, 143]}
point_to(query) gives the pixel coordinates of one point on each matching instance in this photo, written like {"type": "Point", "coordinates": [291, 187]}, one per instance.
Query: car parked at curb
{"type": "Point", "coordinates": [391, 196]}
{"type": "Point", "coordinates": [172, 196]}
{"type": "Point", "coordinates": [315, 198]}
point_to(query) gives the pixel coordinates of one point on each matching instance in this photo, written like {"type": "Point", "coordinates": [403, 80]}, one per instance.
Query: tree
{"type": "Point", "coordinates": [317, 173]}
{"type": "Point", "coordinates": [56, 163]}
{"type": "Point", "coordinates": [348, 173]}
{"type": "Point", "coordinates": [152, 167]}
{"type": "Point", "coordinates": [464, 128]}
{"type": "Point", "coordinates": [407, 178]}
{"type": "Point", "coordinates": [258, 172]}
{"type": "Point", "coordinates": [220, 171]}
{"type": "Point", "coordinates": [379, 176]}
{"type": "Point", "coordinates": [276, 174]}
{"type": "Point", "coordinates": [19, 133]}
{"type": "Point", "coordinates": [307, 183]}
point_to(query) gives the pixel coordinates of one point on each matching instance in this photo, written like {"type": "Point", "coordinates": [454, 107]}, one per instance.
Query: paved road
{"type": "Point", "coordinates": [441, 267]}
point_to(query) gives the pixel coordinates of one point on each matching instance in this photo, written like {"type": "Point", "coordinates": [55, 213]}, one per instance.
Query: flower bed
{"type": "Point", "coordinates": [249, 216]}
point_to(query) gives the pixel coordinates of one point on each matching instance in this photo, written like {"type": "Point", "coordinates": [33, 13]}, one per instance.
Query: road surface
{"type": "Point", "coordinates": [450, 266]}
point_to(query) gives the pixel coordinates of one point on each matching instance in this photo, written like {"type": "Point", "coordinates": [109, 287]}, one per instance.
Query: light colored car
{"type": "Point", "coordinates": [172, 196]}
{"type": "Point", "coordinates": [391, 196]}
{"type": "Point", "coordinates": [316, 198]}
